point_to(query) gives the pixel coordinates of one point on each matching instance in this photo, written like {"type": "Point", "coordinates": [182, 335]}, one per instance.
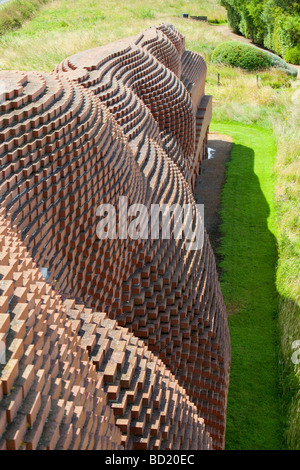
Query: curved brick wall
{"type": "Point", "coordinates": [158, 44]}
{"type": "Point", "coordinates": [193, 72]}
{"type": "Point", "coordinates": [65, 149]}
{"type": "Point", "coordinates": [51, 396]}
{"type": "Point", "coordinates": [124, 74]}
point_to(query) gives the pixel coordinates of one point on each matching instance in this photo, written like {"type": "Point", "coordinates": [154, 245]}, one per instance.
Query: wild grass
{"type": "Point", "coordinates": [65, 27]}
{"type": "Point", "coordinates": [274, 105]}
{"type": "Point", "coordinates": [14, 13]}
{"type": "Point", "coordinates": [241, 97]}
{"type": "Point", "coordinates": [288, 279]}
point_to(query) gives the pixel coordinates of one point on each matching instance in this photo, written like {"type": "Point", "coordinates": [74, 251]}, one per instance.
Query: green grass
{"type": "Point", "coordinates": [15, 12]}
{"type": "Point", "coordinates": [248, 250]}
{"type": "Point", "coordinates": [62, 28]}
{"type": "Point", "coordinates": [272, 106]}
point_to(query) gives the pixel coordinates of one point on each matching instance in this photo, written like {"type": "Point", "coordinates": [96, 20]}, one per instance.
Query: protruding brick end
{"type": "Point", "coordinates": [129, 119]}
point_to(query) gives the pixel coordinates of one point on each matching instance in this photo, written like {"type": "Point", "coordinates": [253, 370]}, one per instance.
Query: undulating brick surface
{"type": "Point", "coordinates": [73, 379]}
{"type": "Point", "coordinates": [51, 395]}
{"type": "Point", "coordinates": [129, 119]}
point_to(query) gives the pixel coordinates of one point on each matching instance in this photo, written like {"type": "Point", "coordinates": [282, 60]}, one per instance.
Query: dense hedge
{"type": "Point", "coordinates": [292, 55]}
{"type": "Point", "coordinates": [240, 55]}
{"type": "Point", "coordinates": [274, 24]}
{"type": "Point", "coordinates": [281, 64]}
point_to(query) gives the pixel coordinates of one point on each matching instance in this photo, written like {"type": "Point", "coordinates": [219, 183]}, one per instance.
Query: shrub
{"type": "Point", "coordinates": [144, 13]}
{"type": "Point", "coordinates": [293, 55]}
{"type": "Point", "coordinates": [280, 64]}
{"type": "Point", "coordinates": [233, 16]}
{"type": "Point", "coordinates": [241, 55]}
{"type": "Point", "coordinates": [14, 13]}
{"type": "Point", "coordinates": [272, 23]}
{"type": "Point", "coordinates": [276, 80]}
{"type": "Point", "coordinates": [249, 57]}
{"type": "Point", "coordinates": [286, 33]}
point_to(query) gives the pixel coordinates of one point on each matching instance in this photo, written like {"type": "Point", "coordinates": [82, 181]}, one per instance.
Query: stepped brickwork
{"type": "Point", "coordinates": [129, 119]}
{"type": "Point", "coordinates": [54, 394]}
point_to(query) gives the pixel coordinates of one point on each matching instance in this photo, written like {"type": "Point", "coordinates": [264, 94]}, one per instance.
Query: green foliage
{"type": "Point", "coordinates": [286, 33]}
{"type": "Point", "coordinates": [281, 64]}
{"type": "Point", "coordinates": [250, 57]}
{"type": "Point", "coordinates": [240, 55]}
{"type": "Point", "coordinates": [214, 20]}
{"type": "Point", "coordinates": [293, 55]}
{"type": "Point", "coordinates": [234, 17]}
{"type": "Point", "coordinates": [16, 12]}
{"type": "Point", "coordinates": [272, 23]}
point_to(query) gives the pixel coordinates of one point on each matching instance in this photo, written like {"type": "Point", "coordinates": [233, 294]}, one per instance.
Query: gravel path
{"type": "Point", "coordinates": [209, 185]}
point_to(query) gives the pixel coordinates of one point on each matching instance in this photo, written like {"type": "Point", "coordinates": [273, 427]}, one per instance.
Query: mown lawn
{"type": "Point", "coordinates": [248, 250]}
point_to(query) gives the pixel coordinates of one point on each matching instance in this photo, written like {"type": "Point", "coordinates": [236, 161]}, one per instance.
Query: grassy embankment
{"type": "Point", "coordinates": [15, 12]}
{"type": "Point", "coordinates": [62, 28]}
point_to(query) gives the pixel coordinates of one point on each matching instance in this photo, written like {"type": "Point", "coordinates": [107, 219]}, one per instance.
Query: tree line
{"type": "Point", "coordinates": [274, 24]}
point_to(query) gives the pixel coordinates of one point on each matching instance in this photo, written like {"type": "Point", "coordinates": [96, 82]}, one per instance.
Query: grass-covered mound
{"type": "Point", "coordinates": [249, 57]}
{"type": "Point", "coordinates": [240, 55]}
{"type": "Point", "coordinates": [14, 13]}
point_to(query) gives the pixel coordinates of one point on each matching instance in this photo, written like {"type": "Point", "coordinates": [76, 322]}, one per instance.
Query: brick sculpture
{"type": "Point", "coordinates": [129, 119]}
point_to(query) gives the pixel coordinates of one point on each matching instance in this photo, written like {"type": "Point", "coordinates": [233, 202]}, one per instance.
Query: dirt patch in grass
{"type": "Point", "coordinates": [209, 185]}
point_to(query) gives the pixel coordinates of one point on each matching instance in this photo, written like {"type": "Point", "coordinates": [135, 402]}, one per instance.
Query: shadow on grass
{"type": "Point", "coordinates": [248, 263]}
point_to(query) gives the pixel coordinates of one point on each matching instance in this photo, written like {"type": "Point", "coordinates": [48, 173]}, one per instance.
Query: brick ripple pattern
{"type": "Point", "coordinates": [152, 371]}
